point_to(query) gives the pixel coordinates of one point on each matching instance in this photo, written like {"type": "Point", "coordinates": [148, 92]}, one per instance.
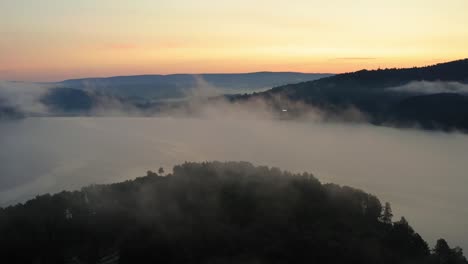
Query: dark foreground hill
{"type": "Point", "coordinates": [381, 94]}
{"type": "Point", "coordinates": [213, 213]}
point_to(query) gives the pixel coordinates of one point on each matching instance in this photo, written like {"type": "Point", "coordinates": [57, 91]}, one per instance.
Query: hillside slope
{"type": "Point", "coordinates": [373, 92]}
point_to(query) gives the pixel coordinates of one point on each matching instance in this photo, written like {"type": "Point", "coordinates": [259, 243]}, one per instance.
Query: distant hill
{"type": "Point", "coordinates": [372, 93]}
{"type": "Point", "coordinates": [148, 94]}
{"type": "Point", "coordinates": [66, 100]}
{"type": "Point", "coordinates": [214, 212]}
{"type": "Point", "coordinates": [179, 85]}
{"type": "Point", "coordinates": [432, 97]}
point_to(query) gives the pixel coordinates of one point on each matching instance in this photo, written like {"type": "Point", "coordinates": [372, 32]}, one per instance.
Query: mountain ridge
{"type": "Point", "coordinates": [177, 85]}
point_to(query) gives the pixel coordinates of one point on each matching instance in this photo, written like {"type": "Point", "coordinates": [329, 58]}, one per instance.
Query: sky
{"type": "Point", "coordinates": [52, 40]}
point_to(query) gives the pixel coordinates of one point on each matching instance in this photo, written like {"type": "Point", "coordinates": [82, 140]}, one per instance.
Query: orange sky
{"type": "Point", "coordinates": [51, 40]}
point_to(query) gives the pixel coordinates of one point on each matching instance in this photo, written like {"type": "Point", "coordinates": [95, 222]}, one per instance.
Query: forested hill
{"type": "Point", "coordinates": [379, 94]}
{"type": "Point", "coordinates": [455, 71]}
{"type": "Point", "coordinates": [213, 213]}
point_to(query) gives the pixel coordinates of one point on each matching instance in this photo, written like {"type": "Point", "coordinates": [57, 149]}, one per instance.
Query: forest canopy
{"type": "Point", "coordinates": [214, 212]}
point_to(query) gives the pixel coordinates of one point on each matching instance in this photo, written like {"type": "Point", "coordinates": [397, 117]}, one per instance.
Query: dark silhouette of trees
{"type": "Point", "coordinates": [387, 214]}
{"type": "Point", "coordinates": [442, 248]}
{"type": "Point", "coordinates": [151, 173]}
{"type": "Point", "coordinates": [161, 170]}
{"type": "Point", "coordinates": [213, 212]}
{"type": "Point", "coordinates": [443, 254]}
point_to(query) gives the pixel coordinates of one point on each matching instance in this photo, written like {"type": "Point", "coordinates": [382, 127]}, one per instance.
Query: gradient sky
{"type": "Point", "coordinates": [51, 40]}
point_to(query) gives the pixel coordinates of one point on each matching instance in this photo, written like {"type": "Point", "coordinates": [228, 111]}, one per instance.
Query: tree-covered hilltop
{"type": "Point", "coordinates": [213, 212]}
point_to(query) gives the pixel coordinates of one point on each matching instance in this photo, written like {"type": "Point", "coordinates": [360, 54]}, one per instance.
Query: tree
{"type": "Point", "coordinates": [150, 173]}
{"type": "Point", "coordinates": [442, 248]}
{"type": "Point", "coordinates": [458, 255]}
{"type": "Point", "coordinates": [442, 251]}
{"type": "Point", "coordinates": [403, 221]}
{"type": "Point", "coordinates": [444, 254]}
{"type": "Point", "coordinates": [403, 224]}
{"type": "Point", "coordinates": [161, 170]}
{"type": "Point", "coordinates": [387, 214]}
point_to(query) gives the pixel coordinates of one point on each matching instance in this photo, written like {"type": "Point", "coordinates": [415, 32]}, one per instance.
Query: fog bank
{"type": "Point", "coordinates": [426, 87]}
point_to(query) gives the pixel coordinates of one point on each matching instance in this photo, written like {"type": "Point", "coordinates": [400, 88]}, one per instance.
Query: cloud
{"type": "Point", "coordinates": [355, 58]}
{"type": "Point", "coordinates": [425, 87]}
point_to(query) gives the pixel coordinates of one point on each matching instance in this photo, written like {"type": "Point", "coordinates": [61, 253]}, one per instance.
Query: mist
{"type": "Point", "coordinates": [426, 87]}
{"type": "Point", "coordinates": [23, 96]}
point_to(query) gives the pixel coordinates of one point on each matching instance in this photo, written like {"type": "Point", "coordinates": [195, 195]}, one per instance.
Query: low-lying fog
{"type": "Point", "coordinates": [422, 174]}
